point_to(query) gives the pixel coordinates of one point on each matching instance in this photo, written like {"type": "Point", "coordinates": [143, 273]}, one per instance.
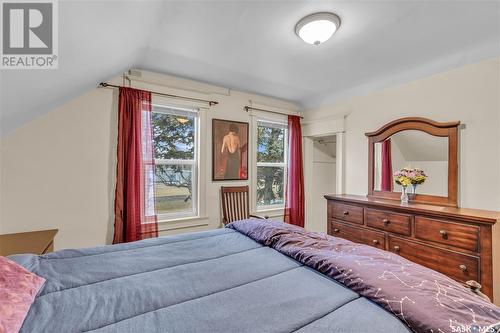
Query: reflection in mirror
{"type": "Point", "coordinates": [412, 149]}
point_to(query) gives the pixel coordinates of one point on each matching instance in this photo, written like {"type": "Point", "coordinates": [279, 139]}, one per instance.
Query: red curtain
{"type": "Point", "coordinates": [294, 190]}
{"type": "Point", "coordinates": [386, 179]}
{"type": "Point", "coordinates": [135, 217]}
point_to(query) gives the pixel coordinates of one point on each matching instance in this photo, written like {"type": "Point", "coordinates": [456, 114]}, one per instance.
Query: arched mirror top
{"type": "Point", "coordinates": [412, 123]}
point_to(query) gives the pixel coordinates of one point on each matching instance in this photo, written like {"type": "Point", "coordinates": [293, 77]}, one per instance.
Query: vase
{"type": "Point", "coordinates": [404, 195]}
{"type": "Point", "coordinates": [414, 186]}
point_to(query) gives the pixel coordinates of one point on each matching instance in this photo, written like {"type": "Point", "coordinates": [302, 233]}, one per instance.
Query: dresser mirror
{"type": "Point", "coordinates": [427, 149]}
{"type": "Point", "coordinates": [414, 150]}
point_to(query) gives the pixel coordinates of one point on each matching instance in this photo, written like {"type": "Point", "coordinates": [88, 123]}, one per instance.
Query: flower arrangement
{"type": "Point", "coordinates": [406, 177]}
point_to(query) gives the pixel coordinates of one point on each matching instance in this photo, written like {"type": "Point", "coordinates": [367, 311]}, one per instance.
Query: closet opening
{"type": "Point", "coordinates": [321, 177]}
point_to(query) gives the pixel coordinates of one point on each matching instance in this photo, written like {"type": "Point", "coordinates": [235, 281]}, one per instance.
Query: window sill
{"type": "Point", "coordinates": [182, 223]}
{"type": "Point", "coordinates": [271, 212]}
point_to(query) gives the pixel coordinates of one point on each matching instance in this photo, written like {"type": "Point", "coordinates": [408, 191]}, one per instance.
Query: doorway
{"type": "Point", "coordinates": [322, 175]}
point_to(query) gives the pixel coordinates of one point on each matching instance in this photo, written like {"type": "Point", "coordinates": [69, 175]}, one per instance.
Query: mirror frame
{"type": "Point", "coordinates": [449, 130]}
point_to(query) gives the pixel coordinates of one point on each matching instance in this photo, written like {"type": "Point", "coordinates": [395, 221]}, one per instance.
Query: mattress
{"type": "Point", "coordinates": [212, 281]}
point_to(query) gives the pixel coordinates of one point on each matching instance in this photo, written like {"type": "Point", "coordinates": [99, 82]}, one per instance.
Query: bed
{"type": "Point", "coordinates": [212, 281]}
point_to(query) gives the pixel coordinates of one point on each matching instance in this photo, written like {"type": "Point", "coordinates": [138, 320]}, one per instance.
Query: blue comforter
{"type": "Point", "coordinates": [213, 281]}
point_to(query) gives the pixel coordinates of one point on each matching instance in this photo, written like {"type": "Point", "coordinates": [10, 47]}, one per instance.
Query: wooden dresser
{"type": "Point", "coordinates": [460, 243]}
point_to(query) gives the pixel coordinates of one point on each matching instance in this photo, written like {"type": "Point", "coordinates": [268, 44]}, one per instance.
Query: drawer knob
{"type": "Point", "coordinates": [386, 221]}
{"type": "Point", "coordinates": [443, 233]}
{"type": "Point", "coordinates": [475, 287]}
{"type": "Point", "coordinates": [345, 212]}
{"type": "Point", "coordinates": [397, 248]}
{"type": "Point", "coordinates": [336, 230]}
{"type": "Point", "coordinates": [463, 268]}
{"type": "Point", "coordinates": [375, 241]}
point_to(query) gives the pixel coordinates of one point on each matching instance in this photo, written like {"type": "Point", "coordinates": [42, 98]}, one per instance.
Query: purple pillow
{"type": "Point", "coordinates": [18, 288]}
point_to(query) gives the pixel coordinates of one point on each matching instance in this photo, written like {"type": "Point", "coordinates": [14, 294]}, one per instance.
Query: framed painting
{"type": "Point", "coordinates": [229, 150]}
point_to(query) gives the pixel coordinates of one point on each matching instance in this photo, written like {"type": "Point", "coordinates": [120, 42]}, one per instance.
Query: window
{"type": "Point", "coordinates": [271, 164]}
{"type": "Point", "coordinates": [175, 134]}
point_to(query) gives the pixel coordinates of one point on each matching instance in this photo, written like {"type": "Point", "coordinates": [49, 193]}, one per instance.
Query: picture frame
{"type": "Point", "coordinates": [229, 150]}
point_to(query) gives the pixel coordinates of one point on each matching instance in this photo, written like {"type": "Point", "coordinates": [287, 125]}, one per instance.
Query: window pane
{"type": "Point", "coordinates": [173, 187]}
{"type": "Point", "coordinates": [270, 144]}
{"type": "Point", "coordinates": [173, 136]}
{"type": "Point", "coordinates": [270, 187]}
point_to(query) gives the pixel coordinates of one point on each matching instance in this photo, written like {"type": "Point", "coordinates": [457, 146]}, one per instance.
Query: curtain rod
{"type": "Point", "coordinates": [210, 103]}
{"type": "Point", "coordinates": [248, 108]}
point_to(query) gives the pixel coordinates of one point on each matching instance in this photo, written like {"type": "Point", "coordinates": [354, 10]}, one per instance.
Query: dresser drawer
{"type": "Point", "coordinates": [388, 221]}
{"type": "Point", "coordinates": [461, 267]}
{"type": "Point", "coordinates": [346, 212]}
{"type": "Point", "coordinates": [357, 234]}
{"type": "Point", "coordinates": [451, 233]}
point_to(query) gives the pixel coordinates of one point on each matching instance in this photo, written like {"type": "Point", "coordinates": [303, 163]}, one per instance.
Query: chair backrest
{"type": "Point", "coordinates": [235, 203]}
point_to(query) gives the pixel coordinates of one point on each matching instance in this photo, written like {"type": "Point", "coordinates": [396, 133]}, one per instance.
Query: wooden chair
{"type": "Point", "coordinates": [235, 204]}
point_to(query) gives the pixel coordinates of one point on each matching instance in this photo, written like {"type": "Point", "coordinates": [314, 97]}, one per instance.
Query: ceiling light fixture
{"type": "Point", "coordinates": [317, 28]}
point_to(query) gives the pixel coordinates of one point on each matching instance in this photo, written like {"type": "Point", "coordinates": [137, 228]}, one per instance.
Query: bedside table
{"type": "Point", "coordinates": [36, 242]}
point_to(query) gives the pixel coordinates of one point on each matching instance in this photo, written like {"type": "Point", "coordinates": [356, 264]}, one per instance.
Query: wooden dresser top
{"type": "Point", "coordinates": [477, 215]}
{"type": "Point", "coordinates": [26, 242]}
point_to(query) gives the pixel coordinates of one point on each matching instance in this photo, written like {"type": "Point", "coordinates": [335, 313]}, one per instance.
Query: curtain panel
{"type": "Point", "coordinates": [135, 217]}
{"type": "Point", "coordinates": [386, 168]}
{"type": "Point", "coordinates": [294, 190]}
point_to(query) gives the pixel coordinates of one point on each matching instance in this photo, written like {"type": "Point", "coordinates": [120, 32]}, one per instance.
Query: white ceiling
{"type": "Point", "coordinates": [251, 46]}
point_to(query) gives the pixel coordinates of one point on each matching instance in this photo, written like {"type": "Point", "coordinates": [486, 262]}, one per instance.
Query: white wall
{"type": "Point", "coordinates": [58, 171]}
{"type": "Point", "coordinates": [469, 94]}
{"type": "Point", "coordinates": [437, 173]}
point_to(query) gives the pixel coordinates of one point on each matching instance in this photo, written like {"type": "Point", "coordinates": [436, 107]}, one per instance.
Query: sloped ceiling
{"type": "Point", "coordinates": [251, 46]}
{"type": "Point", "coordinates": [420, 146]}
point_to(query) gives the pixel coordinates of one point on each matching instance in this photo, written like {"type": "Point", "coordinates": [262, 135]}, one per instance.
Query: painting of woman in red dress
{"type": "Point", "coordinates": [230, 153]}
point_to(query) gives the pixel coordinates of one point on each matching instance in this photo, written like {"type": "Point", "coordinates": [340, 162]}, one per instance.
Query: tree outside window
{"type": "Point", "coordinates": [174, 140]}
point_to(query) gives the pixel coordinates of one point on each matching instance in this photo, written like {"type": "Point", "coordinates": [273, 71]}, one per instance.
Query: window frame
{"type": "Point", "coordinates": [195, 164]}
{"type": "Point", "coordinates": [284, 164]}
